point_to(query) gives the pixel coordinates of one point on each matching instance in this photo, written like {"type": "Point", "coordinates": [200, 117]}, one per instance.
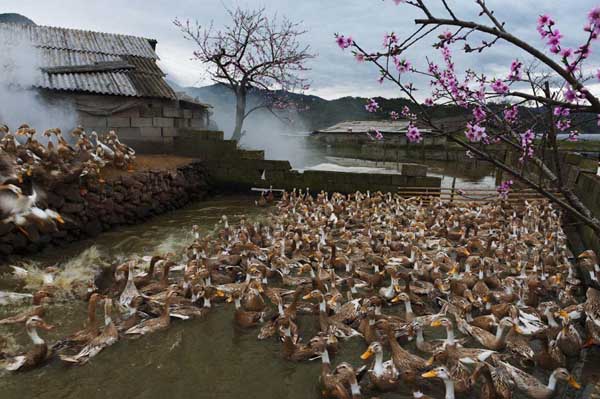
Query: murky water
{"type": "Point", "coordinates": [207, 358]}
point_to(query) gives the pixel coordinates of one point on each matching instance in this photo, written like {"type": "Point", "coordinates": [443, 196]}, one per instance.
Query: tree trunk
{"type": "Point", "coordinates": [240, 112]}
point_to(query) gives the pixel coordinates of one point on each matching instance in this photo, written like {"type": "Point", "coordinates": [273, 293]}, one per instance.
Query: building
{"type": "Point", "coordinates": [113, 81]}
{"type": "Point", "coordinates": [365, 132]}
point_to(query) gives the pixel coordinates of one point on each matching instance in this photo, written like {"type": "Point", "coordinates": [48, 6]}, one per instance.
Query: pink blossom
{"type": "Point", "coordinates": [584, 51]}
{"type": "Point", "coordinates": [394, 115]}
{"type": "Point", "coordinates": [398, 2]}
{"type": "Point", "coordinates": [389, 39]}
{"type": "Point", "coordinates": [560, 111]}
{"type": "Point", "coordinates": [499, 86]}
{"type": "Point", "coordinates": [343, 42]}
{"type": "Point", "coordinates": [479, 114]}
{"type": "Point", "coordinates": [504, 188]}
{"type": "Point", "coordinates": [359, 57]}
{"type": "Point", "coordinates": [515, 70]}
{"type": "Point", "coordinates": [594, 16]}
{"type": "Point", "coordinates": [570, 95]}
{"type": "Point", "coordinates": [413, 134]}
{"type": "Point", "coordinates": [563, 124]}
{"type": "Point", "coordinates": [475, 133]}
{"type": "Point", "coordinates": [401, 65]}
{"type": "Point", "coordinates": [566, 52]}
{"type": "Point", "coordinates": [372, 105]}
{"type": "Point", "coordinates": [598, 74]}
{"type": "Point", "coordinates": [429, 102]}
{"type": "Point", "coordinates": [510, 114]}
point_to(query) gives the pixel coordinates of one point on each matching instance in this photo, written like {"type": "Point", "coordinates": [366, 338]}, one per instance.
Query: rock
{"type": "Point", "coordinates": [6, 228]}
{"type": "Point", "coordinates": [93, 228]}
{"type": "Point", "coordinates": [6, 249]}
{"type": "Point", "coordinates": [72, 208]}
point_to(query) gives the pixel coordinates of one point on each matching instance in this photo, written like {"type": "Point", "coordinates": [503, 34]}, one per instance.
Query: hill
{"type": "Point", "coordinates": [15, 19]}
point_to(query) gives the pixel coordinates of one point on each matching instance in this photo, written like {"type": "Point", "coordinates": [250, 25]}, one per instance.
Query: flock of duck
{"type": "Point", "coordinates": [466, 297]}
{"type": "Point", "coordinates": [23, 159]}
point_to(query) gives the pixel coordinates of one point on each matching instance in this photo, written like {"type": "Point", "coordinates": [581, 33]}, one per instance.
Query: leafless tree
{"type": "Point", "coordinates": [255, 51]}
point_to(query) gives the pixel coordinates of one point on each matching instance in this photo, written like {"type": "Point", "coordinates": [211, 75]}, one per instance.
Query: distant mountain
{"type": "Point", "coordinates": [317, 113]}
{"type": "Point", "coordinates": [15, 19]}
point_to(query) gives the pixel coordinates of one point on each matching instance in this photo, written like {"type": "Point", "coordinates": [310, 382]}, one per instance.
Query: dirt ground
{"type": "Point", "coordinates": [149, 162]}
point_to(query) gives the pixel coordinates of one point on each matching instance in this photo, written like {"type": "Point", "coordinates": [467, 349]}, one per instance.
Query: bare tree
{"type": "Point", "coordinates": [255, 51]}
{"type": "Point", "coordinates": [522, 112]}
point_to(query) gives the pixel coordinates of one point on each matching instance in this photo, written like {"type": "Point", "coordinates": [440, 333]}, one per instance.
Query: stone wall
{"type": "Point", "coordinates": [89, 210]}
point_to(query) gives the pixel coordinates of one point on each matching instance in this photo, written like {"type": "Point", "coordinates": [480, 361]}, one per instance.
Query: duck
{"type": "Point", "coordinates": [108, 337]}
{"type": "Point", "coordinates": [37, 355]}
{"type": "Point", "coordinates": [40, 301]}
{"type": "Point", "coordinates": [244, 318]}
{"type": "Point", "coordinates": [85, 335]}
{"type": "Point", "coordinates": [488, 340]}
{"type": "Point", "coordinates": [531, 386]}
{"type": "Point", "coordinates": [160, 323]}
{"type": "Point", "coordinates": [383, 376]}
{"type": "Point", "coordinates": [442, 373]}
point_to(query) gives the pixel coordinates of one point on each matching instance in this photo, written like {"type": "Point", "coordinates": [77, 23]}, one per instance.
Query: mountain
{"type": "Point", "coordinates": [316, 112]}
{"type": "Point", "coordinates": [15, 19]}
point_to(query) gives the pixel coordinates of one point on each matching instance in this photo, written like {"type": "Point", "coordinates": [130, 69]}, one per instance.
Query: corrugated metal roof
{"type": "Point", "coordinates": [70, 47]}
{"type": "Point", "coordinates": [81, 40]}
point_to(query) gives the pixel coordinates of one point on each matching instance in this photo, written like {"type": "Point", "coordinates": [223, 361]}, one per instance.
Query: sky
{"type": "Point", "coordinates": [333, 73]}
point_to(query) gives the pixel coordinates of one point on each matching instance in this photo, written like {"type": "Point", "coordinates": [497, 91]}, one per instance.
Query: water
{"type": "Point", "coordinates": [311, 154]}
{"type": "Point", "coordinates": [207, 358]}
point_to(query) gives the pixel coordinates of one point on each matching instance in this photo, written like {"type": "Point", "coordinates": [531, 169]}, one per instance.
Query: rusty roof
{"type": "Point", "coordinates": [61, 47]}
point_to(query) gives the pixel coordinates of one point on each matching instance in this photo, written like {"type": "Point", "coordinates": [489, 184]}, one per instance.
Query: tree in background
{"type": "Point", "coordinates": [254, 52]}
{"type": "Point", "coordinates": [521, 112]}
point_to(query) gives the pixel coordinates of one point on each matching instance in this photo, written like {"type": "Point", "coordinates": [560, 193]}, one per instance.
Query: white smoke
{"type": "Point", "coordinates": [282, 138]}
{"type": "Point", "coordinates": [20, 102]}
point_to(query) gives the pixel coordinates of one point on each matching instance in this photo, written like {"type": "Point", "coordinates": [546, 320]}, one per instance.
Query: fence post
{"type": "Point", "coordinates": [452, 191]}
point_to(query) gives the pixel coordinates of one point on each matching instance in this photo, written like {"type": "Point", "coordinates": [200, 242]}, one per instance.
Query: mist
{"type": "Point", "coordinates": [20, 102]}
{"type": "Point", "coordinates": [282, 138]}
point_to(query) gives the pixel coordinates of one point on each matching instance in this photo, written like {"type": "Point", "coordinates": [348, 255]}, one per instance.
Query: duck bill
{"type": "Point", "coordinates": [563, 314]}
{"type": "Point", "coordinates": [436, 323]}
{"type": "Point", "coordinates": [368, 353]}
{"type": "Point", "coordinates": [429, 361]}
{"type": "Point", "coordinates": [519, 330]}
{"type": "Point", "coordinates": [60, 219]}
{"type": "Point", "coordinates": [574, 383]}
{"type": "Point", "coordinates": [307, 296]}
{"type": "Point", "coordinates": [429, 374]}
{"type": "Point", "coordinates": [220, 294]}
{"type": "Point", "coordinates": [395, 299]}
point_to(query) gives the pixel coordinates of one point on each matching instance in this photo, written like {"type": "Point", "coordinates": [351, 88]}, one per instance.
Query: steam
{"type": "Point", "coordinates": [20, 102]}
{"type": "Point", "coordinates": [282, 138]}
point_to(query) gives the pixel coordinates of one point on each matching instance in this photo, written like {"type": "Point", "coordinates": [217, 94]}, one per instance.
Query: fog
{"type": "Point", "coordinates": [282, 137]}
{"type": "Point", "coordinates": [20, 102]}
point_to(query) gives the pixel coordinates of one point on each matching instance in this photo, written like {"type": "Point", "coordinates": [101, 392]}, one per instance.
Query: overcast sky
{"type": "Point", "coordinates": [333, 73]}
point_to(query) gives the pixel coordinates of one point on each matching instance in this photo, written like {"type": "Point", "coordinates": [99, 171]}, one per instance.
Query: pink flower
{"type": "Point", "coordinates": [429, 102]}
{"type": "Point", "coordinates": [398, 2]}
{"type": "Point", "coordinates": [359, 57]}
{"type": "Point", "coordinates": [401, 65]}
{"type": "Point", "coordinates": [343, 42]}
{"type": "Point", "coordinates": [560, 111]}
{"type": "Point", "coordinates": [413, 134]}
{"type": "Point", "coordinates": [394, 115]}
{"type": "Point", "coordinates": [598, 74]}
{"type": "Point", "coordinates": [479, 114]}
{"type": "Point", "coordinates": [475, 133]}
{"type": "Point", "coordinates": [389, 39]}
{"type": "Point", "coordinates": [515, 70]}
{"type": "Point", "coordinates": [566, 52]}
{"type": "Point", "coordinates": [499, 86]}
{"type": "Point", "coordinates": [563, 124]}
{"type": "Point", "coordinates": [510, 114]}
{"type": "Point", "coordinates": [594, 16]}
{"type": "Point", "coordinates": [570, 95]}
{"type": "Point", "coordinates": [372, 105]}
{"type": "Point", "coordinates": [504, 188]}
